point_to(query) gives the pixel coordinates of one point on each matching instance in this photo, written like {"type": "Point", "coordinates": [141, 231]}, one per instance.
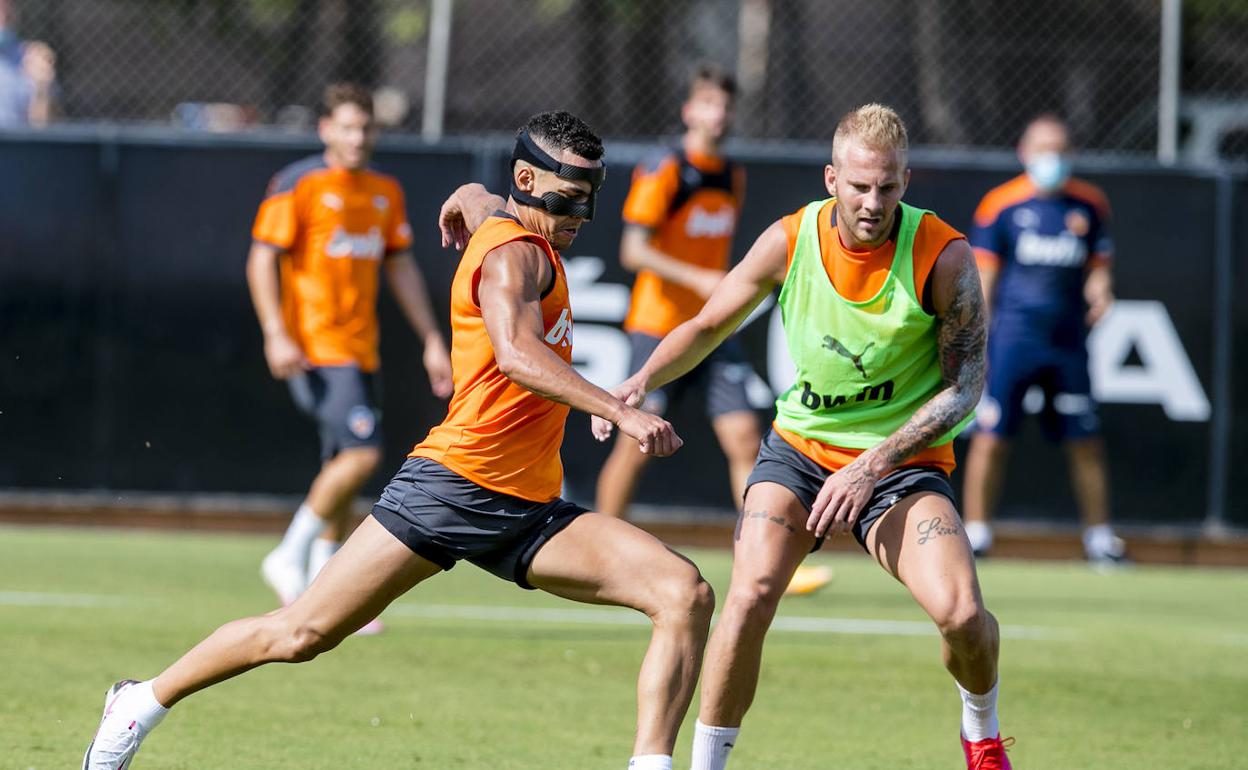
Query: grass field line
{"type": "Point", "coordinates": [623, 617]}
{"type": "Point", "coordinates": [561, 615]}
{"type": "Point", "coordinates": [47, 599]}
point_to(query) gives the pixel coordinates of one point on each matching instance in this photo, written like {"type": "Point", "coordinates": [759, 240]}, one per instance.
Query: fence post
{"type": "Point", "coordinates": [434, 113]}
{"type": "Point", "coordinates": [1168, 82]}
{"type": "Point", "coordinates": [1223, 355]}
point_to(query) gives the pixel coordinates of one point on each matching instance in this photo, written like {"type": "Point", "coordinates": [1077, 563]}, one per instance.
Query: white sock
{"type": "Point", "coordinates": [651, 762]}
{"type": "Point", "coordinates": [1098, 540]}
{"type": "Point", "coordinates": [303, 529]}
{"type": "Point", "coordinates": [979, 714]}
{"type": "Point", "coordinates": [322, 551]}
{"type": "Point", "coordinates": [140, 704]}
{"type": "Point", "coordinates": [711, 746]}
{"type": "Point", "coordinates": [980, 535]}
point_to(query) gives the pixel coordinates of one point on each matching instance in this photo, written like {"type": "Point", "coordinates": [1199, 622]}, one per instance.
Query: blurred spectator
{"type": "Point", "coordinates": [1043, 246]}
{"type": "Point", "coordinates": [27, 75]}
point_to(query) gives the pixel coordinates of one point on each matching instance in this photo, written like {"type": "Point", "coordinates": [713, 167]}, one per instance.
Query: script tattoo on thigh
{"type": "Point", "coordinates": [930, 528]}
{"type": "Point", "coordinates": [761, 515]}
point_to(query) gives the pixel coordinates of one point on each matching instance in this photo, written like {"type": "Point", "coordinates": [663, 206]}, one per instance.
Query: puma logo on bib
{"type": "Point", "coordinates": [833, 344]}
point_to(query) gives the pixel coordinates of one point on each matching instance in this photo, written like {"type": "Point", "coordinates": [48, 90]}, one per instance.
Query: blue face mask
{"type": "Point", "coordinates": [1049, 171]}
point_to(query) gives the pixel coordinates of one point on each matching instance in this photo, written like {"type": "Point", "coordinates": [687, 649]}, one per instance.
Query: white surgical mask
{"type": "Point", "coordinates": [1049, 171]}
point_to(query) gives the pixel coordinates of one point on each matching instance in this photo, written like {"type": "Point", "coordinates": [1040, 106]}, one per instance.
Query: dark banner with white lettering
{"type": "Point", "coordinates": [131, 358]}
{"type": "Point", "coordinates": [1151, 357]}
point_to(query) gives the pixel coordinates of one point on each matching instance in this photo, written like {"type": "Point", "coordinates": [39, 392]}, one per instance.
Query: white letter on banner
{"type": "Point", "coordinates": [1165, 375]}
{"type": "Point", "coordinates": [593, 301]}
{"type": "Point", "coordinates": [601, 353]}
{"type": "Point", "coordinates": [780, 369]}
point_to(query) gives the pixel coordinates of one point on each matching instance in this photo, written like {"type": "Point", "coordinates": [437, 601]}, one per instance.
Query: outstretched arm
{"type": "Point", "coordinates": [960, 336]}
{"type": "Point", "coordinates": [745, 286]}
{"type": "Point", "coordinates": [737, 294]}
{"type": "Point", "coordinates": [464, 211]}
{"type": "Point", "coordinates": [512, 279]}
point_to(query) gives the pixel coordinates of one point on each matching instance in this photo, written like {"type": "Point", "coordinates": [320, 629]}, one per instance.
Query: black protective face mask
{"type": "Point", "coordinates": [552, 202]}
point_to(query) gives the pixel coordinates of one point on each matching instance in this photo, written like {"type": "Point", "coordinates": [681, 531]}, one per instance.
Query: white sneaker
{"type": "Point", "coordinates": [118, 737]}
{"type": "Point", "coordinates": [980, 535]}
{"type": "Point", "coordinates": [284, 576]}
{"type": "Point", "coordinates": [371, 628]}
{"type": "Point", "coordinates": [1110, 556]}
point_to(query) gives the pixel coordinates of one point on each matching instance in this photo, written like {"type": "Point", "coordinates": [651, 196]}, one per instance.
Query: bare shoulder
{"type": "Point", "coordinates": [769, 256]}
{"type": "Point", "coordinates": [516, 263]}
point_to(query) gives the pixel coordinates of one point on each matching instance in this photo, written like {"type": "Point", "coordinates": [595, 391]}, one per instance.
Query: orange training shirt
{"type": "Point", "coordinates": [333, 226]}
{"type": "Point", "coordinates": [858, 275]}
{"type": "Point", "coordinates": [496, 433]}
{"type": "Point", "coordinates": [699, 232]}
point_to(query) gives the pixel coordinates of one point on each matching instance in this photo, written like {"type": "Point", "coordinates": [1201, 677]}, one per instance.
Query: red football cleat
{"type": "Point", "coordinates": [988, 754]}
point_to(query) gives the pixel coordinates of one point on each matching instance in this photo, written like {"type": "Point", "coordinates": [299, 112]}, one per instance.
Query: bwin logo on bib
{"type": "Point", "coordinates": [561, 333]}
{"type": "Point", "coordinates": [815, 401]}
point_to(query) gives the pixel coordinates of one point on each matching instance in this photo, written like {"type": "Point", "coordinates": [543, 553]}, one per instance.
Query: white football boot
{"type": "Point", "coordinates": [119, 735]}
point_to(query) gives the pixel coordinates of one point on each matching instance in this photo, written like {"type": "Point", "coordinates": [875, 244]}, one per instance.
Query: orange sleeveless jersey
{"type": "Point", "coordinates": [496, 433]}
{"type": "Point", "coordinates": [699, 232]}
{"type": "Point", "coordinates": [858, 276]}
{"type": "Point", "coordinates": [333, 226]}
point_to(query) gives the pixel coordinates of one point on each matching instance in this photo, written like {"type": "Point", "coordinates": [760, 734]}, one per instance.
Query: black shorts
{"type": "Point", "coordinates": [722, 381]}
{"type": "Point", "coordinates": [779, 462]}
{"type": "Point", "coordinates": [342, 401]}
{"type": "Point", "coordinates": [444, 517]}
{"type": "Point", "coordinates": [1069, 411]}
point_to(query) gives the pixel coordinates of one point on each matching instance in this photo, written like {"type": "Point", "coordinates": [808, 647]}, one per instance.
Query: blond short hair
{"type": "Point", "coordinates": [876, 126]}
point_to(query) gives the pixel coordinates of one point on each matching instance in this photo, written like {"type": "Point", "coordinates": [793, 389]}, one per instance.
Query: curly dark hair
{"type": "Point", "coordinates": [562, 130]}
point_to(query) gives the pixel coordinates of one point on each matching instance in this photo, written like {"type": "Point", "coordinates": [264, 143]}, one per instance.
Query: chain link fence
{"type": "Point", "coordinates": [964, 73]}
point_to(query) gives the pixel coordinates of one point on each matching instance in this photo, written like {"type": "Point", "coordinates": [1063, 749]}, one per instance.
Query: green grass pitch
{"type": "Point", "coordinates": [1141, 668]}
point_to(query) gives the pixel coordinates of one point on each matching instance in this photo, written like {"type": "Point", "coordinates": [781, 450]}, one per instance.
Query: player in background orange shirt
{"type": "Point", "coordinates": [329, 224]}
{"type": "Point", "coordinates": [483, 486]}
{"type": "Point", "coordinates": [679, 220]}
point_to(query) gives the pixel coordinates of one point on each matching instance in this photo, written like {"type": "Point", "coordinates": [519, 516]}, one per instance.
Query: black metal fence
{"type": "Point", "coordinates": [962, 72]}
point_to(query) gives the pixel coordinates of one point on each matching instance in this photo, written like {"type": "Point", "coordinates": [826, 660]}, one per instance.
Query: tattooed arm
{"type": "Point", "coordinates": [960, 334]}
